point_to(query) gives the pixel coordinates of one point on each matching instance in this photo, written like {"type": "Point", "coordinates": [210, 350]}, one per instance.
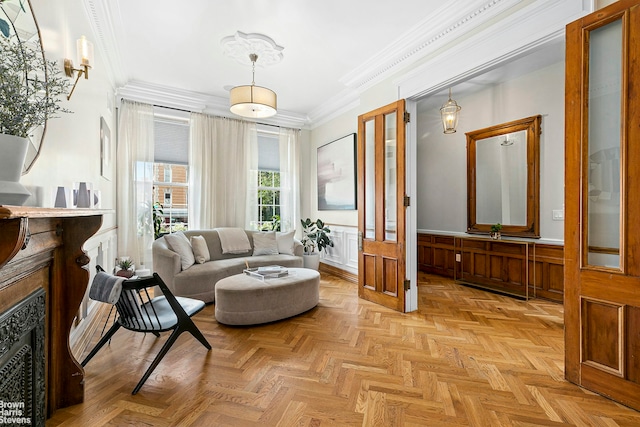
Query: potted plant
{"type": "Point", "coordinates": [314, 236]}
{"type": "Point", "coordinates": [125, 268]}
{"type": "Point", "coordinates": [495, 231]}
{"type": "Point", "coordinates": [30, 90]}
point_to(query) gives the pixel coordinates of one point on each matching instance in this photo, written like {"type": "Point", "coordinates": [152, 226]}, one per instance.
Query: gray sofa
{"type": "Point", "coordinates": [199, 280]}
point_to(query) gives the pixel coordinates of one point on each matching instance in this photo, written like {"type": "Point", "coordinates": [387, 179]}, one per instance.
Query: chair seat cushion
{"type": "Point", "coordinates": [159, 306]}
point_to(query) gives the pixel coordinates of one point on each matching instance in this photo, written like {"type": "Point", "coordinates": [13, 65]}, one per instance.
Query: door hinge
{"type": "Point", "coordinates": [407, 201]}
{"type": "Point", "coordinates": [407, 284]}
{"type": "Point", "coordinates": [407, 117]}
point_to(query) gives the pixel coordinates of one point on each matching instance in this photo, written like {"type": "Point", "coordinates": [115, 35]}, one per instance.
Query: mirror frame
{"type": "Point", "coordinates": [37, 138]}
{"type": "Point", "coordinates": [532, 126]}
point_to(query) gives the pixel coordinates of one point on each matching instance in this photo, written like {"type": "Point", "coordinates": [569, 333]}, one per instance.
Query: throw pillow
{"type": "Point", "coordinates": [285, 242]}
{"type": "Point", "coordinates": [179, 243]}
{"type": "Point", "coordinates": [264, 243]}
{"type": "Point", "coordinates": [200, 249]}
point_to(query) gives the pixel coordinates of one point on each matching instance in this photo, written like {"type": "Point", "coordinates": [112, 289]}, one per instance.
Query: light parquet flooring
{"type": "Point", "coordinates": [466, 358]}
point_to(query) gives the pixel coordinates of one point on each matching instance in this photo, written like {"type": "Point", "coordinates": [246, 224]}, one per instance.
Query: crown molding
{"type": "Point", "coordinates": [163, 96]}
{"type": "Point", "coordinates": [532, 27]}
{"type": "Point", "coordinates": [105, 25]}
{"type": "Point", "coordinates": [442, 27]}
{"type": "Point", "coordinates": [347, 100]}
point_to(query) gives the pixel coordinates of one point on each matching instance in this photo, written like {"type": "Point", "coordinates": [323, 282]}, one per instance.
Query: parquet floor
{"type": "Point", "coordinates": [466, 358]}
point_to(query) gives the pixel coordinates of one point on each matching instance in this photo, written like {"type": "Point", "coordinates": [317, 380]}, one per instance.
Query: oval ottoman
{"type": "Point", "coordinates": [246, 300]}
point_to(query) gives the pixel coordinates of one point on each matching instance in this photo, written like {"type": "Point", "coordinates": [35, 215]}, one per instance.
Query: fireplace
{"type": "Point", "coordinates": [22, 361]}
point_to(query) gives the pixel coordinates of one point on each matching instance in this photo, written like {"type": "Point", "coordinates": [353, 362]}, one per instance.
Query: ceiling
{"type": "Point", "coordinates": [331, 47]}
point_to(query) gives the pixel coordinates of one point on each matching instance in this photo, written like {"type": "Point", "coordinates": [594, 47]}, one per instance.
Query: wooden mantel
{"type": "Point", "coordinates": [42, 248]}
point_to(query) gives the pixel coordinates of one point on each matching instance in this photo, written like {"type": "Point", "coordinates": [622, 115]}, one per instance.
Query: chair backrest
{"type": "Point", "coordinates": [138, 307]}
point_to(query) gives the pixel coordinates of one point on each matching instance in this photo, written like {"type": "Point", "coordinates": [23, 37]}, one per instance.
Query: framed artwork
{"type": "Point", "coordinates": [337, 174]}
{"type": "Point", "coordinates": [105, 149]}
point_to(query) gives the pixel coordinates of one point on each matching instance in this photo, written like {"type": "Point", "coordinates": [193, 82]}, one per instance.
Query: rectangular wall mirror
{"type": "Point", "coordinates": [503, 175]}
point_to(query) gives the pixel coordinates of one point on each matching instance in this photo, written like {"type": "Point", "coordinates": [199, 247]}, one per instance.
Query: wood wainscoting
{"type": "Point", "coordinates": [502, 265]}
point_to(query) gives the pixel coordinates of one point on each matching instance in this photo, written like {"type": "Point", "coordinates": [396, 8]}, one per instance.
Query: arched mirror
{"type": "Point", "coordinates": [503, 176]}
{"type": "Point", "coordinates": [17, 22]}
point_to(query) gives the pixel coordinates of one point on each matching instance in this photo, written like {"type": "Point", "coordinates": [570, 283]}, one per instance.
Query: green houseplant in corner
{"type": "Point", "coordinates": [314, 235]}
{"type": "Point", "coordinates": [30, 90]}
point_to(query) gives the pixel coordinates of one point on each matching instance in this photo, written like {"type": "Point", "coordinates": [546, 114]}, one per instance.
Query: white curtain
{"type": "Point", "coordinates": [289, 179]}
{"type": "Point", "coordinates": [220, 164]}
{"type": "Point", "coordinates": [135, 182]}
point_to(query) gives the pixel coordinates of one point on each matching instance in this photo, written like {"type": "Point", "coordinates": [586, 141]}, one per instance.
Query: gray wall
{"type": "Point", "coordinates": [442, 161]}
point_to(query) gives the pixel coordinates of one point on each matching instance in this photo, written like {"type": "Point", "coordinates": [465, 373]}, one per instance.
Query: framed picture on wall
{"type": "Point", "coordinates": [337, 174]}
{"type": "Point", "coordinates": [105, 149]}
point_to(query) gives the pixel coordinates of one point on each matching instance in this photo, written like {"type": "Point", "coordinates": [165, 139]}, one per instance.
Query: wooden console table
{"type": "Point", "coordinates": [41, 248]}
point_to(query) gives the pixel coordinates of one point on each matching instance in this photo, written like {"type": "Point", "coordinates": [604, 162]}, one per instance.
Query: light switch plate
{"type": "Point", "coordinates": [558, 215]}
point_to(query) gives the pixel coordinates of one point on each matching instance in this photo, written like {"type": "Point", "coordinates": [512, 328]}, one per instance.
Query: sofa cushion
{"type": "Point", "coordinates": [200, 249]}
{"type": "Point", "coordinates": [233, 240]}
{"type": "Point", "coordinates": [285, 242]}
{"type": "Point", "coordinates": [179, 243]}
{"type": "Point", "coordinates": [265, 243]}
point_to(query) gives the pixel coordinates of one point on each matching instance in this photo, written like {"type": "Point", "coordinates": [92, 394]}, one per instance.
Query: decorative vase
{"type": "Point", "coordinates": [14, 151]}
{"type": "Point", "coordinates": [495, 235]}
{"type": "Point", "coordinates": [311, 260]}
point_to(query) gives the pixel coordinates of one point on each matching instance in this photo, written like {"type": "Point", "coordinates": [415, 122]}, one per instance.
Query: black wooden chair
{"type": "Point", "coordinates": [138, 312]}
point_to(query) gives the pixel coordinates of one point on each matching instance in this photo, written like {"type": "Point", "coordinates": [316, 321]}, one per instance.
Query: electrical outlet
{"type": "Point", "coordinates": [558, 214]}
{"type": "Point", "coordinates": [458, 258]}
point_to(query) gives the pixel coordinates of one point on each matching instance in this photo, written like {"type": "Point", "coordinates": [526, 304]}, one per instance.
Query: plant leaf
{"type": "Point", "coordinates": [4, 28]}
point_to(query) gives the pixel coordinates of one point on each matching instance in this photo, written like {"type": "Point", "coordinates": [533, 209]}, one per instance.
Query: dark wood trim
{"type": "Point", "coordinates": [338, 272]}
{"type": "Point", "coordinates": [495, 264]}
{"type": "Point", "coordinates": [532, 126]}
{"type": "Point", "coordinates": [49, 257]}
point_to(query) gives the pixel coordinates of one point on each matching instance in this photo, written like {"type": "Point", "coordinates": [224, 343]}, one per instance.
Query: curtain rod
{"type": "Point", "coordinates": [187, 111]}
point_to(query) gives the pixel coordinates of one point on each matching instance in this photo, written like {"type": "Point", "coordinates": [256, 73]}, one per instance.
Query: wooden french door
{"type": "Point", "coordinates": [381, 211]}
{"type": "Point", "coordinates": [602, 202]}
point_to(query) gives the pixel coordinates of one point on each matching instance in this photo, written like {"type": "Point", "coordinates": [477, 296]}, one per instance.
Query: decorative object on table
{"type": "Point", "coordinates": [268, 272]}
{"type": "Point", "coordinates": [125, 267]}
{"type": "Point", "coordinates": [337, 174]}
{"type": "Point", "coordinates": [29, 94]}
{"type": "Point", "coordinates": [314, 235]}
{"type": "Point", "coordinates": [105, 149]}
{"type": "Point", "coordinates": [495, 231]}
{"type": "Point", "coordinates": [27, 102]}
{"type": "Point", "coordinates": [62, 197]}
{"type": "Point", "coordinates": [83, 194]}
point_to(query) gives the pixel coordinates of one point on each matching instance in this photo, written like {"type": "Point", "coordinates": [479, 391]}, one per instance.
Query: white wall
{"type": "Point", "coordinates": [346, 123]}
{"type": "Point", "coordinates": [442, 192]}
{"type": "Point", "coordinates": [71, 148]}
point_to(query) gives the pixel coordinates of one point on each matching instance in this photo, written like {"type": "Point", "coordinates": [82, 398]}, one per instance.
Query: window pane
{"type": "Point", "coordinates": [370, 180]}
{"type": "Point", "coordinates": [605, 99]}
{"type": "Point", "coordinates": [390, 191]}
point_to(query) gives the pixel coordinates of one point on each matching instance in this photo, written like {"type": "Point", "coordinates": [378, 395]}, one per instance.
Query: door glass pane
{"type": "Point", "coordinates": [604, 163]}
{"type": "Point", "coordinates": [370, 180]}
{"type": "Point", "coordinates": [390, 191]}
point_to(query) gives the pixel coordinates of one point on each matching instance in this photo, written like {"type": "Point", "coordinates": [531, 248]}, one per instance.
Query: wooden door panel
{"type": "Point", "coordinates": [368, 265]}
{"type": "Point", "coordinates": [602, 258]}
{"type": "Point", "coordinates": [602, 335]}
{"type": "Point", "coordinates": [632, 323]}
{"type": "Point", "coordinates": [381, 211]}
{"type": "Point", "coordinates": [390, 276]}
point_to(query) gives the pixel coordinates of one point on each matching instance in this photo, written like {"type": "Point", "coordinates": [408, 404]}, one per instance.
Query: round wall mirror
{"type": "Point", "coordinates": [17, 22]}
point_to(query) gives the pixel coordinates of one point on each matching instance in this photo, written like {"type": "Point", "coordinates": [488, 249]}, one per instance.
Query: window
{"type": "Point", "coordinates": [171, 172]}
{"type": "Point", "coordinates": [268, 181]}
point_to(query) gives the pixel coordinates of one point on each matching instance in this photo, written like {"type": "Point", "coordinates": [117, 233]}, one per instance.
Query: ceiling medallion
{"type": "Point", "coordinates": [251, 100]}
{"type": "Point", "coordinates": [240, 45]}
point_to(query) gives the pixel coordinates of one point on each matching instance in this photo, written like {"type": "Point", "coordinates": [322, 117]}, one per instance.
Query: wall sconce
{"type": "Point", "coordinates": [85, 58]}
{"type": "Point", "coordinates": [449, 114]}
